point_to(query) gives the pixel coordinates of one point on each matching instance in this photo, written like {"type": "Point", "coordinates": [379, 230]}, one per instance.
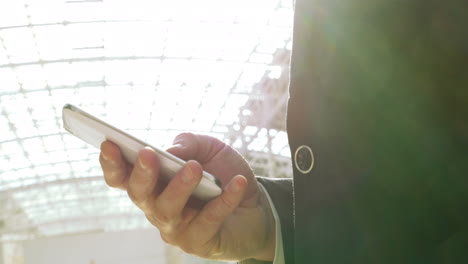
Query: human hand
{"type": "Point", "coordinates": [236, 225]}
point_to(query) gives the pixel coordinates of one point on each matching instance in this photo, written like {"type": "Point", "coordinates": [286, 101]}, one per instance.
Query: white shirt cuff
{"type": "Point", "coordinates": [279, 254]}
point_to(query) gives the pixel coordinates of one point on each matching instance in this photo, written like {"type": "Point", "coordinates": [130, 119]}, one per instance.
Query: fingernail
{"type": "Point", "coordinates": [142, 165]}
{"type": "Point", "coordinates": [179, 146]}
{"type": "Point", "coordinates": [144, 156]}
{"type": "Point", "coordinates": [105, 157]}
{"type": "Point", "coordinates": [179, 140]}
{"type": "Point", "coordinates": [187, 174]}
{"type": "Point", "coordinates": [235, 186]}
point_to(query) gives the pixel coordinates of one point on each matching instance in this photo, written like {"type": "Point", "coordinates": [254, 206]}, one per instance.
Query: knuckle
{"type": "Point", "coordinates": [188, 248]}
{"type": "Point", "coordinates": [164, 214]}
{"type": "Point", "coordinates": [150, 217]}
{"type": "Point", "coordinates": [139, 200]}
{"type": "Point", "coordinates": [167, 239]}
{"type": "Point", "coordinates": [209, 250]}
{"type": "Point", "coordinates": [228, 204]}
{"type": "Point", "coordinates": [164, 238]}
{"type": "Point", "coordinates": [213, 217]}
{"type": "Point", "coordinates": [164, 218]}
{"type": "Point", "coordinates": [167, 231]}
{"type": "Point", "coordinates": [112, 179]}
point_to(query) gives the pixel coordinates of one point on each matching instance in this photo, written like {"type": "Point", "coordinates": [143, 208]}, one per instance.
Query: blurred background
{"type": "Point", "coordinates": [153, 68]}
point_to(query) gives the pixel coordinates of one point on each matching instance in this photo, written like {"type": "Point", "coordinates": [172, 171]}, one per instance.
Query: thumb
{"type": "Point", "coordinates": [179, 151]}
{"type": "Point", "coordinates": [183, 146]}
{"type": "Point", "coordinates": [201, 148]}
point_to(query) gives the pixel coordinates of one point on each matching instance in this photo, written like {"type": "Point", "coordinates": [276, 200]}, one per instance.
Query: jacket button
{"type": "Point", "coordinates": [304, 159]}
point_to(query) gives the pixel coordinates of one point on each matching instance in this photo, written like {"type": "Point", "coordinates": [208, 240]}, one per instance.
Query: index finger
{"type": "Point", "coordinates": [116, 170]}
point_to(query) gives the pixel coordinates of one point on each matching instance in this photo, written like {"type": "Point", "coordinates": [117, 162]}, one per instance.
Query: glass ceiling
{"type": "Point", "coordinates": [153, 68]}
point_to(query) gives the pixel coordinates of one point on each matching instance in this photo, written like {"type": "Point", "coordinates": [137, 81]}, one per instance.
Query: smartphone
{"type": "Point", "coordinates": [94, 131]}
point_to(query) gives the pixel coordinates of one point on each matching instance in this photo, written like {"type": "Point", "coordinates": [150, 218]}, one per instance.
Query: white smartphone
{"type": "Point", "coordinates": [95, 131]}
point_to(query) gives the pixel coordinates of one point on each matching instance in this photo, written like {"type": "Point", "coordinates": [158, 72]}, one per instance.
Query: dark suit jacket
{"type": "Point", "coordinates": [378, 92]}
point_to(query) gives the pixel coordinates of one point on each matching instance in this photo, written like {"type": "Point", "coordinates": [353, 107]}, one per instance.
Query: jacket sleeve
{"type": "Point", "coordinates": [281, 194]}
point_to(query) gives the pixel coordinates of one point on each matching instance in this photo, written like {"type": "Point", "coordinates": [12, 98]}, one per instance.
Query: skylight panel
{"type": "Point", "coordinates": [11, 148]}
{"type": "Point", "coordinates": [92, 95]}
{"type": "Point", "coordinates": [77, 154]}
{"type": "Point", "coordinates": [57, 156]}
{"type": "Point", "coordinates": [230, 112]}
{"type": "Point", "coordinates": [53, 143]}
{"type": "Point", "coordinates": [72, 142]}
{"type": "Point", "coordinates": [208, 41]}
{"type": "Point", "coordinates": [260, 58]}
{"type": "Point", "coordinates": [94, 167]}
{"type": "Point", "coordinates": [61, 96]}
{"type": "Point", "coordinates": [19, 161]}
{"type": "Point", "coordinates": [161, 118]}
{"type": "Point", "coordinates": [251, 75]}
{"type": "Point", "coordinates": [39, 104]}
{"type": "Point", "coordinates": [40, 11]}
{"type": "Point", "coordinates": [83, 10]}
{"type": "Point", "coordinates": [46, 127]}
{"type": "Point", "coordinates": [143, 71]}
{"type": "Point", "coordinates": [138, 38]}
{"type": "Point", "coordinates": [215, 11]}
{"type": "Point", "coordinates": [43, 111]}
{"type": "Point", "coordinates": [255, 12]}
{"type": "Point", "coordinates": [172, 72]}
{"type": "Point", "coordinates": [23, 125]}
{"type": "Point", "coordinates": [9, 180]}
{"type": "Point", "coordinates": [40, 158]}
{"type": "Point", "coordinates": [239, 44]}
{"type": "Point", "coordinates": [27, 176]}
{"type": "Point", "coordinates": [20, 45]}
{"type": "Point", "coordinates": [33, 145]}
{"type": "Point", "coordinates": [178, 38]}
{"type": "Point", "coordinates": [53, 41]}
{"type": "Point", "coordinates": [88, 71]}
{"type": "Point", "coordinates": [60, 74]}
{"type": "Point", "coordinates": [3, 55]}
{"type": "Point", "coordinates": [273, 39]}
{"type": "Point", "coordinates": [198, 74]}
{"type": "Point", "coordinates": [8, 81]}
{"type": "Point", "coordinates": [5, 130]}
{"type": "Point", "coordinates": [159, 10]}
{"type": "Point", "coordinates": [142, 97]}
{"type": "Point", "coordinates": [62, 169]}
{"type": "Point", "coordinates": [43, 170]}
{"type": "Point", "coordinates": [31, 77]}
{"type": "Point", "coordinates": [4, 164]}
{"type": "Point", "coordinates": [225, 75]}
{"type": "Point", "coordinates": [12, 13]}
{"type": "Point", "coordinates": [80, 168]}
{"type": "Point", "coordinates": [85, 39]}
{"type": "Point", "coordinates": [282, 17]}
